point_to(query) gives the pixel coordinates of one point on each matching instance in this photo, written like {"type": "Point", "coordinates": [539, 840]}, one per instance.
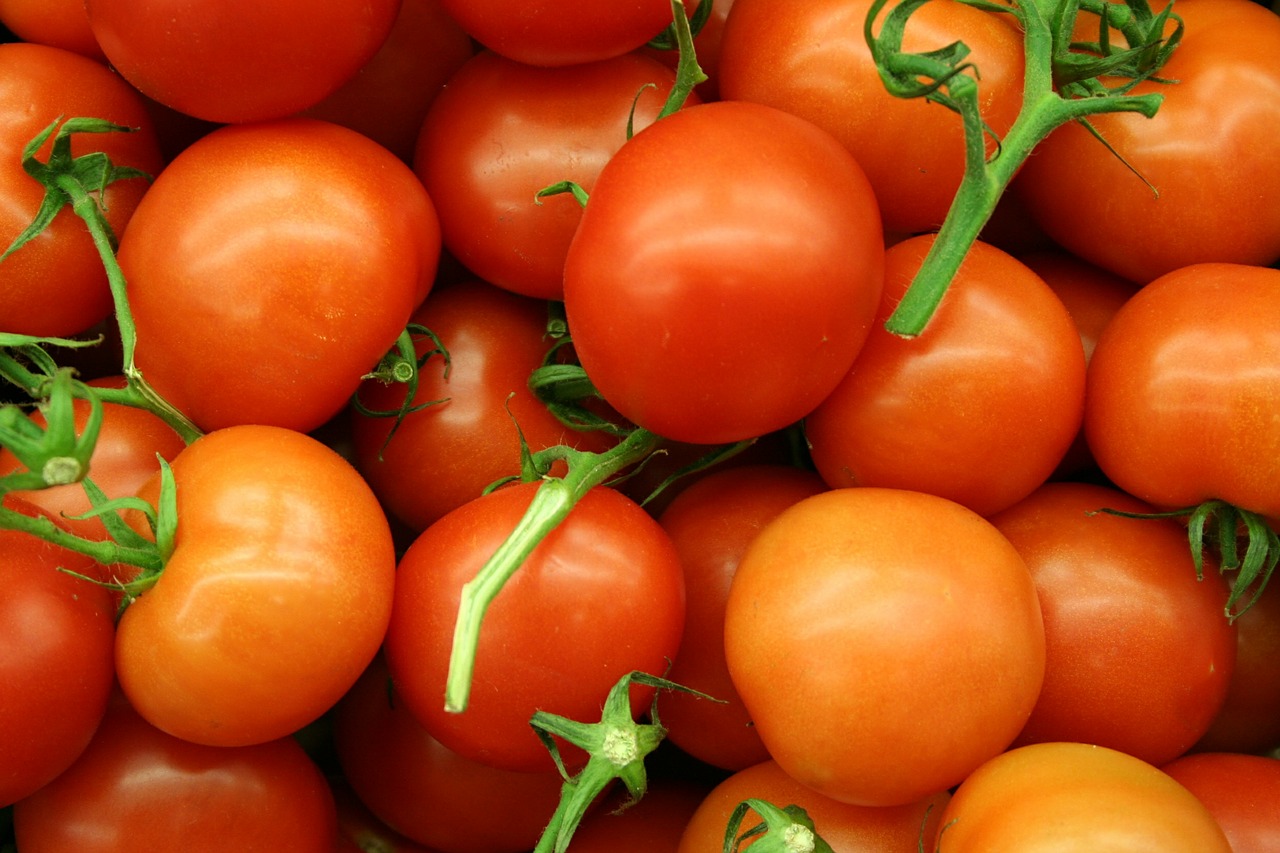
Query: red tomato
{"type": "Point", "coordinates": [1250, 717]}
{"type": "Point", "coordinates": [727, 299]}
{"type": "Point", "coordinates": [602, 595]}
{"type": "Point", "coordinates": [1139, 653]}
{"type": "Point", "coordinates": [268, 301]}
{"type": "Point", "coordinates": [560, 32]}
{"type": "Point", "coordinates": [811, 60]}
{"type": "Point", "coordinates": [275, 598]}
{"type": "Point", "coordinates": [501, 131]}
{"type": "Point", "coordinates": [239, 61]}
{"type": "Point", "coordinates": [56, 23]}
{"type": "Point", "coordinates": [124, 457]}
{"type": "Point", "coordinates": [885, 642]}
{"type": "Point", "coordinates": [360, 830]}
{"type": "Point", "coordinates": [711, 523]}
{"type": "Point", "coordinates": [55, 284]}
{"type": "Point", "coordinates": [56, 633]}
{"type": "Point", "coordinates": [654, 824]}
{"type": "Point", "coordinates": [1181, 398]}
{"type": "Point", "coordinates": [137, 788]}
{"type": "Point", "coordinates": [1240, 791]}
{"type": "Point", "coordinates": [1087, 199]}
{"type": "Point", "coordinates": [1050, 797]}
{"type": "Point", "coordinates": [980, 408]}
{"type": "Point", "coordinates": [471, 439]}
{"type": "Point", "coordinates": [427, 792]}
{"type": "Point", "coordinates": [866, 829]}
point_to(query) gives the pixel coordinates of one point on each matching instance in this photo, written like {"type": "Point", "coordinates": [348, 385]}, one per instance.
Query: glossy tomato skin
{"type": "Point", "coordinates": [269, 301]}
{"type": "Point", "coordinates": [470, 438]}
{"type": "Point", "coordinates": [813, 61]}
{"type": "Point", "coordinates": [38, 85]}
{"type": "Point", "coordinates": [850, 600]}
{"type": "Point", "coordinates": [1139, 652]}
{"type": "Point", "coordinates": [1181, 395]}
{"type": "Point", "coordinates": [137, 788]}
{"type": "Point", "coordinates": [56, 23]}
{"type": "Point", "coordinates": [602, 595]}
{"type": "Point", "coordinates": [712, 522]}
{"type": "Point", "coordinates": [979, 408]}
{"type": "Point", "coordinates": [724, 300]}
{"type": "Point", "coordinates": [501, 131]}
{"type": "Point", "coordinates": [275, 598]}
{"type": "Point", "coordinates": [57, 634]}
{"type": "Point", "coordinates": [1090, 202]}
{"type": "Point", "coordinates": [867, 829]}
{"type": "Point", "coordinates": [1240, 792]}
{"type": "Point", "coordinates": [242, 61]}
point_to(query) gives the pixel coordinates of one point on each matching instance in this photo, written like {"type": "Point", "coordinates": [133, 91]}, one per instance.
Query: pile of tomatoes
{"type": "Point", "coordinates": [996, 585]}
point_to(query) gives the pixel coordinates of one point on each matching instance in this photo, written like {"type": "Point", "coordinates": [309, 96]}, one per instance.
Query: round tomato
{"type": "Point", "coordinates": [980, 408]}
{"type": "Point", "coordinates": [56, 23]}
{"type": "Point", "coordinates": [1249, 720]}
{"type": "Point", "coordinates": [56, 284]}
{"type": "Point", "coordinates": [600, 596]}
{"type": "Point", "coordinates": [239, 61]}
{"type": "Point", "coordinates": [725, 272]}
{"type": "Point", "coordinates": [1240, 791]}
{"type": "Point", "coordinates": [270, 299]}
{"type": "Point", "coordinates": [501, 131]}
{"type": "Point", "coordinates": [885, 642]}
{"type": "Point", "coordinates": [1181, 398]}
{"type": "Point", "coordinates": [1139, 653]}
{"type": "Point", "coordinates": [56, 638]}
{"type": "Point", "coordinates": [653, 824]}
{"type": "Point", "coordinates": [275, 598]}
{"type": "Point", "coordinates": [1050, 797]}
{"type": "Point", "coordinates": [812, 60]}
{"type": "Point", "coordinates": [1087, 199]}
{"type": "Point", "coordinates": [137, 788]}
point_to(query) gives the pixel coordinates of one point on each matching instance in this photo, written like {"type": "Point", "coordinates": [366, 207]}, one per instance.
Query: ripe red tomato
{"type": "Point", "coordinates": [652, 825]}
{"type": "Point", "coordinates": [811, 60]}
{"type": "Point", "coordinates": [599, 597]}
{"type": "Point", "coordinates": [55, 284]}
{"type": "Point", "coordinates": [501, 131]}
{"type": "Point", "coordinates": [137, 788]}
{"type": "Point", "coordinates": [1181, 398]}
{"type": "Point", "coordinates": [268, 301]}
{"type": "Point", "coordinates": [1050, 797]}
{"type": "Point", "coordinates": [1139, 653]}
{"type": "Point", "coordinates": [724, 300]}
{"type": "Point", "coordinates": [885, 642]}
{"type": "Point", "coordinates": [711, 523]}
{"type": "Point", "coordinates": [56, 23]}
{"type": "Point", "coordinates": [980, 408]}
{"type": "Point", "coordinates": [867, 829]}
{"type": "Point", "coordinates": [240, 61]}
{"type": "Point", "coordinates": [275, 598]}
{"type": "Point", "coordinates": [1249, 720]}
{"type": "Point", "coordinates": [1087, 199]}
{"type": "Point", "coordinates": [1240, 791]}
{"type": "Point", "coordinates": [57, 634]}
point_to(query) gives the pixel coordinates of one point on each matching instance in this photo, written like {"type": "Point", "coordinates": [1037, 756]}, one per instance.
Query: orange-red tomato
{"type": "Point", "coordinates": [1240, 791]}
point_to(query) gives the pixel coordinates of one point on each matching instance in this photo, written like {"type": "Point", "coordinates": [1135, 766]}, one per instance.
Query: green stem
{"type": "Point", "coordinates": [688, 72]}
{"type": "Point", "coordinates": [105, 552]}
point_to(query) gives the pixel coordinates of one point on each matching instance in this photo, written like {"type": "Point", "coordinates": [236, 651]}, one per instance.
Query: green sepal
{"type": "Point", "coordinates": [782, 830]}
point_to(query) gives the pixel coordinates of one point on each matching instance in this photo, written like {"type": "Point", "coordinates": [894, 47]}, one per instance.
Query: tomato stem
{"type": "Point", "coordinates": [783, 830]}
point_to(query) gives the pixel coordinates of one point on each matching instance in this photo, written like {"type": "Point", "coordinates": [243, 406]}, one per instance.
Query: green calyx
{"type": "Point", "coordinates": [782, 830]}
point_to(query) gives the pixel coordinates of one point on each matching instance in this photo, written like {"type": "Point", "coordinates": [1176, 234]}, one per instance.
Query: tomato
{"type": "Point", "coordinates": [980, 408]}
{"type": "Point", "coordinates": [557, 32]}
{"type": "Point", "coordinates": [1087, 199]}
{"type": "Point", "coordinates": [1249, 720]}
{"type": "Point", "coordinates": [1181, 397]}
{"type": "Point", "coordinates": [471, 438]}
{"type": "Point", "coordinates": [885, 642]}
{"type": "Point", "coordinates": [275, 598]}
{"type": "Point", "coordinates": [124, 457]}
{"type": "Point", "coordinates": [137, 788]}
{"type": "Point", "coordinates": [1240, 791]}
{"type": "Point", "coordinates": [602, 595]}
{"type": "Point", "coordinates": [867, 829]}
{"type": "Point", "coordinates": [55, 284]}
{"type": "Point", "coordinates": [703, 233]}
{"type": "Point", "coordinates": [501, 131]}
{"type": "Point", "coordinates": [1071, 796]}
{"type": "Point", "coordinates": [813, 61]}
{"type": "Point", "coordinates": [654, 824]}
{"type": "Point", "coordinates": [427, 792]}
{"type": "Point", "coordinates": [57, 633]}
{"type": "Point", "coordinates": [268, 301]}
{"type": "Point", "coordinates": [711, 523]}
{"type": "Point", "coordinates": [389, 96]}
{"type": "Point", "coordinates": [56, 23]}
{"type": "Point", "coordinates": [360, 830]}
{"type": "Point", "coordinates": [1139, 653]}
{"type": "Point", "coordinates": [239, 62]}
